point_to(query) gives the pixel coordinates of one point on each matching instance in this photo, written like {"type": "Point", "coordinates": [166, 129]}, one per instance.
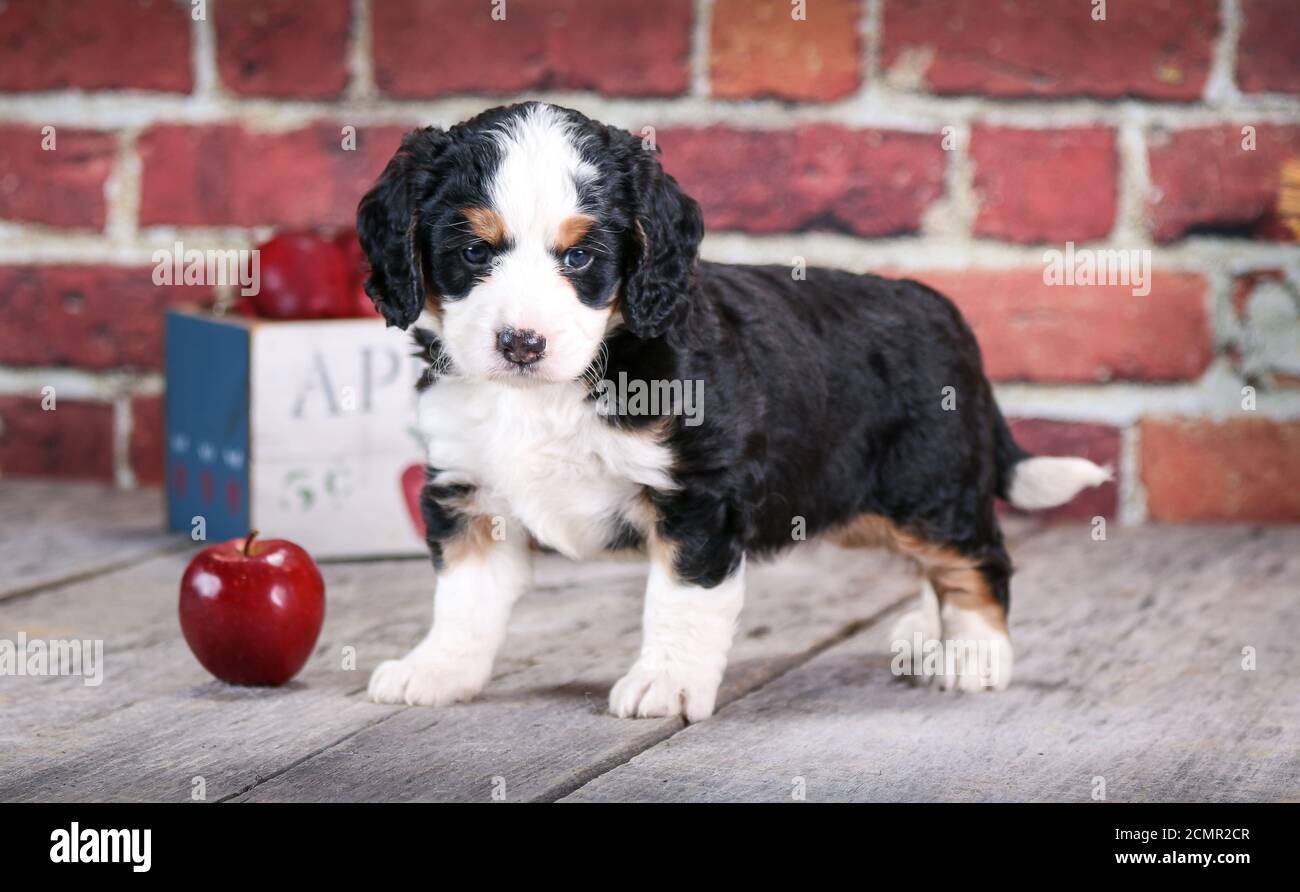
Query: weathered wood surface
{"type": "Point", "coordinates": [1129, 669]}
{"type": "Point", "coordinates": [52, 532]}
{"type": "Point", "coordinates": [158, 721]}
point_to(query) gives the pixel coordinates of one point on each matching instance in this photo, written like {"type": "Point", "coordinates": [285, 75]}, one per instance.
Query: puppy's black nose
{"type": "Point", "coordinates": [523, 347]}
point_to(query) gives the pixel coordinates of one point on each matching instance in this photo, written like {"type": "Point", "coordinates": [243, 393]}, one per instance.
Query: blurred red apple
{"type": "Point", "coordinates": [364, 306]}
{"type": "Point", "coordinates": [243, 306]}
{"type": "Point", "coordinates": [353, 257]}
{"type": "Point", "coordinates": [355, 260]}
{"type": "Point", "coordinates": [304, 276]}
{"type": "Point", "coordinates": [252, 610]}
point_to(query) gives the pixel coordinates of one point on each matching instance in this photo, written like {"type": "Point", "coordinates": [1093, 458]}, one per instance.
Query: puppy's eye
{"type": "Point", "coordinates": [577, 258]}
{"type": "Point", "coordinates": [476, 254]}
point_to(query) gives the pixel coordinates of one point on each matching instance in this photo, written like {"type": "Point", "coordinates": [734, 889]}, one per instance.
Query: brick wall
{"type": "Point", "coordinates": [952, 140]}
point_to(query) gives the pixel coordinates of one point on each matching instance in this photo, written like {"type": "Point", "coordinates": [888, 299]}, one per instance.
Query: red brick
{"type": "Point", "coordinates": [1244, 469]}
{"type": "Point", "coordinates": [89, 317]}
{"type": "Point", "coordinates": [1031, 331]}
{"type": "Point", "coordinates": [63, 186]}
{"type": "Point", "coordinates": [75, 439]}
{"type": "Point", "coordinates": [1205, 181]}
{"type": "Point", "coordinates": [283, 47]}
{"type": "Point", "coordinates": [1045, 185]}
{"type": "Point", "coordinates": [758, 49]}
{"type": "Point", "coordinates": [224, 174]}
{"type": "Point", "coordinates": [1157, 49]}
{"type": "Point", "coordinates": [439, 47]}
{"type": "Point", "coordinates": [1099, 443]}
{"type": "Point", "coordinates": [145, 447]}
{"type": "Point", "coordinates": [95, 45]}
{"type": "Point", "coordinates": [1268, 51]}
{"type": "Point", "coordinates": [866, 182]}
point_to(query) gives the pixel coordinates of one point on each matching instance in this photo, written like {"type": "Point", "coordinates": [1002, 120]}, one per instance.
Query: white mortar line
{"type": "Point", "coordinates": [123, 476]}
{"type": "Point", "coordinates": [79, 384]}
{"type": "Point", "coordinates": [1222, 315]}
{"type": "Point", "coordinates": [877, 106]}
{"type": "Point", "coordinates": [42, 245]}
{"type": "Point", "coordinates": [940, 250]}
{"type": "Point", "coordinates": [953, 215]}
{"type": "Point", "coordinates": [871, 34]}
{"type": "Point", "coordinates": [203, 59]}
{"type": "Point", "coordinates": [122, 189]}
{"type": "Point", "coordinates": [701, 47]}
{"type": "Point", "coordinates": [1132, 494]}
{"type": "Point", "coordinates": [948, 252]}
{"type": "Point", "coordinates": [361, 72]}
{"type": "Point", "coordinates": [1215, 397]}
{"type": "Point", "coordinates": [1132, 187]}
{"type": "Point", "coordinates": [1220, 86]}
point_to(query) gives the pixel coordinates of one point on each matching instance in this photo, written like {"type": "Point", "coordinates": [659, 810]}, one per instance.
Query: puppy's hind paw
{"type": "Point", "coordinates": [913, 623]}
{"type": "Point", "coordinates": [978, 654]}
{"type": "Point", "coordinates": [918, 626]}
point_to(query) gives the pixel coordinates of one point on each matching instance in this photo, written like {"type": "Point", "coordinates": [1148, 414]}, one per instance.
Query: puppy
{"type": "Point", "coordinates": [550, 255]}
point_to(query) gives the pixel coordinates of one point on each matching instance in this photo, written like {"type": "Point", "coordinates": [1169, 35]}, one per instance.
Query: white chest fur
{"type": "Point", "coordinates": [543, 456]}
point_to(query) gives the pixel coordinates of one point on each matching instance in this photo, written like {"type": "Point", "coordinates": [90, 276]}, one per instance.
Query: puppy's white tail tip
{"type": "Point", "coordinates": [1046, 482]}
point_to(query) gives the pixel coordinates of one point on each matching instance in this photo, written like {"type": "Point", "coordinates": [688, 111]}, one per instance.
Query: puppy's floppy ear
{"type": "Point", "coordinates": [386, 226]}
{"type": "Point", "coordinates": [664, 244]}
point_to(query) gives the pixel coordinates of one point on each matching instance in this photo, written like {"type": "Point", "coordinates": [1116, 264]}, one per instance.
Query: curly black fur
{"type": "Point", "coordinates": [387, 225]}
{"type": "Point", "coordinates": [824, 402]}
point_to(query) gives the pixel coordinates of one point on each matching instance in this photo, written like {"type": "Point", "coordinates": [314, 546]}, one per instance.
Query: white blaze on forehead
{"type": "Point", "coordinates": [535, 188]}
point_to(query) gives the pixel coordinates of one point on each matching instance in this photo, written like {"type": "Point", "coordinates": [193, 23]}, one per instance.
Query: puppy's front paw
{"type": "Point", "coordinates": [650, 691]}
{"type": "Point", "coordinates": [424, 681]}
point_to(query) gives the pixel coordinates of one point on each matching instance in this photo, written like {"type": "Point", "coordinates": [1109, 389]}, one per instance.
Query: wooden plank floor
{"type": "Point", "coordinates": [1129, 669]}
{"type": "Point", "coordinates": [52, 532]}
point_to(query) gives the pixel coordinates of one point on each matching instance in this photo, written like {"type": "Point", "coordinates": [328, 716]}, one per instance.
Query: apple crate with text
{"type": "Point", "coordinates": [304, 430]}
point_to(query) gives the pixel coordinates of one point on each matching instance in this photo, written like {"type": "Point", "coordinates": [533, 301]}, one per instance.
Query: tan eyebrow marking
{"type": "Point", "coordinates": [488, 225]}
{"type": "Point", "coordinates": [572, 230]}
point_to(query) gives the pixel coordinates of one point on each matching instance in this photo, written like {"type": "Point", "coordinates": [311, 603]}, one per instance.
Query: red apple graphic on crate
{"type": "Point", "coordinates": [412, 485]}
{"type": "Point", "coordinates": [251, 610]}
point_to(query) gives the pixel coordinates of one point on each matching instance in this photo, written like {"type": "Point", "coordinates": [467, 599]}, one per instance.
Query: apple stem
{"type": "Point", "coordinates": [248, 541]}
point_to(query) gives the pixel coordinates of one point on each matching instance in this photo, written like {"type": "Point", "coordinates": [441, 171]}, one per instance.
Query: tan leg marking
{"type": "Point", "coordinates": [956, 578]}
{"type": "Point", "coordinates": [471, 542]}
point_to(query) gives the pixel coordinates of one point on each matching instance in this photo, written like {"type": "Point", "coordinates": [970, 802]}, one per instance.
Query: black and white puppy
{"type": "Point", "coordinates": [550, 254]}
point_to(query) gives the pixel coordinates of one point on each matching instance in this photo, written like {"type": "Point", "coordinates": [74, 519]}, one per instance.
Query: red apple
{"type": "Point", "coordinates": [413, 478]}
{"type": "Point", "coordinates": [364, 307]}
{"type": "Point", "coordinates": [355, 260]}
{"type": "Point", "coordinates": [252, 611]}
{"type": "Point", "coordinates": [304, 276]}
{"type": "Point", "coordinates": [353, 257]}
{"type": "Point", "coordinates": [243, 306]}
